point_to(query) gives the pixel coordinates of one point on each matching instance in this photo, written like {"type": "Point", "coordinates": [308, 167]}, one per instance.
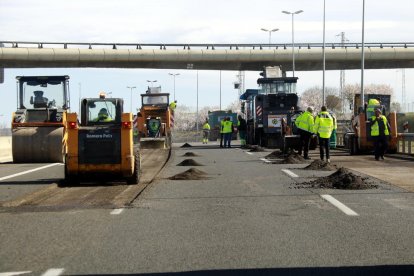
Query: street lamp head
{"type": "Point", "coordinates": [263, 29]}
{"type": "Point", "coordinates": [299, 11]}
{"type": "Point", "coordinates": [286, 12]}
{"type": "Point", "coordinates": [274, 30]}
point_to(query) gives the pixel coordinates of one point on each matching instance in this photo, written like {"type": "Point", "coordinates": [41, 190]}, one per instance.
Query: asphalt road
{"type": "Point", "coordinates": [249, 217]}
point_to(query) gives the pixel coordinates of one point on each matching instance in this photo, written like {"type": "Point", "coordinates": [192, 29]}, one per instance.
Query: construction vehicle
{"type": "Point", "coordinates": [38, 123]}
{"type": "Point", "coordinates": [215, 118]}
{"type": "Point", "coordinates": [270, 111]}
{"type": "Point", "coordinates": [359, 140]}
{"type": "Point", "coordinates": [155, 119]}
{"type": "Point", "coordinates": [100, 144]}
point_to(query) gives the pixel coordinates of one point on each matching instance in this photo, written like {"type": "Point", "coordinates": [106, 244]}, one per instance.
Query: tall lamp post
{"type": "Point", "coordinates": [270, 34]}
{"type": "Point", "coordinates": [323, 58]}
{"type": "Point", "coordinates": [131, 87]}
{"type": "Point", "coordinates": [363, 55]}
{"type": "Point", "coordinates": [171, 74]}
{"type": "Point", "coordinates": [293, 38]}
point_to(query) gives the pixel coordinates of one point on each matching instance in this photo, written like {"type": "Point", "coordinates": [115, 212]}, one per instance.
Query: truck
{"type": "Point", "coordinates": [215, 118]}
{"type": "Point", "coordinates": [38, 123]}
{"type": "Point", "coordinates": [359, 140]}
{"type": "Point", "coordinates": [99, 144]}
{"type": "Point", "coordinates": [155, 119]}
{"type": "Point", "coordinates": [271, 109]}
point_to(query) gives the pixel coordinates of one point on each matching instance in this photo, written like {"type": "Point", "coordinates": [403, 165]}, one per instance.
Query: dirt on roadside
{"type": "Point", "coordinates": [321, 165]}
{"type": "Point", "coordinates": [186, 145]}
{"type": "Point", "coordinates": [190, 154]}
{"type": "Point", "coordinates": [189, 162]}
{"type": "Point", "coordinates": [341, 179]}
{"type": "Point", "coordinates": [275, 154]}
{"type": "Point", "coordinates": [190, 174]}
{"type": "Point", "coordinates": [293, 158]}
{"type": "Point", "coordinates": [256, 149]}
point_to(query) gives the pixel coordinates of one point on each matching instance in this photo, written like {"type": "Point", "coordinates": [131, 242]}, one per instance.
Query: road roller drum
{"type": "Point", "coordinates": [37, 144]}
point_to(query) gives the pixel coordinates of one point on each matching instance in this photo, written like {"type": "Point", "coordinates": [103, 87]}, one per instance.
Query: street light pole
{"type": "Point", "coordinates": [152, 82]}
{"type": "Point", "coordinates": [323, 54]}
{"type": "Point", "coordinates": [177, 74]}
{"type": "Point", "coordinates": [363, 55]}
{"type": "Point", "coordinates": [131, 87]}
{"type": "Point", "coordinates": [293, 38]}
{"type": "Point", "coordinates": [270, 34]}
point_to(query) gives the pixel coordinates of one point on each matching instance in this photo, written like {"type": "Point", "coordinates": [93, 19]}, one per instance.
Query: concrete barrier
{"type": "Point", "coordinates": [5, 146]}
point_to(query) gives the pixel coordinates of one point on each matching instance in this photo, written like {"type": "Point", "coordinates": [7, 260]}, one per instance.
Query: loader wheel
{"type": "Point", "coordinates": [134, 178]}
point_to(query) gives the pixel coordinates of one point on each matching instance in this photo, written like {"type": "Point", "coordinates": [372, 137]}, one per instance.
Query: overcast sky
{"type": "Point", "coordinates": [192, 21]}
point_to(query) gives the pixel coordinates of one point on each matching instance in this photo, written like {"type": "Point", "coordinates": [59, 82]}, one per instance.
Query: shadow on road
{"type": "Point", "coordinates": [401, 270]}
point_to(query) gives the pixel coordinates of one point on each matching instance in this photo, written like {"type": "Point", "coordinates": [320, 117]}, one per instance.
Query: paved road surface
{"type": "Point", "coordinates": [248, 217]}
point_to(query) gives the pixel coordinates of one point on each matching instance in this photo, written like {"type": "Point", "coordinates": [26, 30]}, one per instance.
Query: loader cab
{"type": "Point", "coordinates": [101, 111]}
{"type": "Point", "coordinates": [155, 99]}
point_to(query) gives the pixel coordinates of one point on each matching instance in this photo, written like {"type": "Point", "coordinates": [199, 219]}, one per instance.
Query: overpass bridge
{"type": "Point", "coordinates": [248, 57]}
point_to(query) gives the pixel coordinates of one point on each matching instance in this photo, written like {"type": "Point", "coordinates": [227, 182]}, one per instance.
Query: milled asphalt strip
{"type": "Point", "coordinates": [14, 273]}
{"type": "Point", "coordinates": [53, 272]}
{"type": "Point", "coordinates": [339, 205]}
{"type": "Point", "coordinates": [288, 172]}
{"type": "Point", "coordinates": [30, 171]}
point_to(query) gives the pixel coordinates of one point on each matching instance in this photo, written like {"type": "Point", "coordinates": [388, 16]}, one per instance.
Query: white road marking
{"type": "Point", "coordinates": [14, 273]}
{"type": "Point", "coordinates": [288, 172]}
{"type": "Point", "coordinates": [249, 153]}
{"type": "Point", "coordinates": [117, 211]}
{"type": "Point", "coordinates": [29, 171]}
{"type": "Point", "coordinates": [265, 160]}
{"type": "Point", "coordinates": [53, 272]}
{"type": "Point", "coordinates": [339, 205]}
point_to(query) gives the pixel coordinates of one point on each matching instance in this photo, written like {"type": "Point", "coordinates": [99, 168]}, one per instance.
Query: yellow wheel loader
{"type": "Point", "coordinates": [155, 120]}
{"type": "Point", "coordinates": [38, 123]}
{"type": "Point", "coordinates": [100, 146]}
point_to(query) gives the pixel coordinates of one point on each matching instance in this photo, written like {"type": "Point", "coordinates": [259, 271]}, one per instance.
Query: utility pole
{"type": "Point", "coordinates": [403, 95]}
{"type": "Point", "coordinates": [342, 74]}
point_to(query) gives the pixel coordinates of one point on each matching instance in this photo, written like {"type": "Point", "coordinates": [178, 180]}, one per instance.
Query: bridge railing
{"type": "Point", "coordinates": [189, 46]}
{"type": "Point", "coordinates": [406, 143]}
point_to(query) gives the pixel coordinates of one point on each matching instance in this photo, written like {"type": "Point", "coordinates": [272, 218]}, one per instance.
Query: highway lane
{"type": "Point", "coordinates": [247, 215]}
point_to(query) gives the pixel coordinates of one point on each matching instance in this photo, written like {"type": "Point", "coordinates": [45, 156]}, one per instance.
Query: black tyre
{"type": "Point", "coordinates": [134, 178]}
{"type": "Point", "coordinates": [70, 179]}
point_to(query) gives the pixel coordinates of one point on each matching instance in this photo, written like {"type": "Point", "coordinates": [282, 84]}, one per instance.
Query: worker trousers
{"type": "Point", "coordinates": [324, 147]}
{"type": "Point", "coordinates": [380, 146]}
{"type": "Point", "coordinates": [304, 142]}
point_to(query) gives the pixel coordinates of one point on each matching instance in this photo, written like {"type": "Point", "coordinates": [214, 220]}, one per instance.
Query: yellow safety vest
{"type": "Point", "coordinates": [375, 126]}
{"type": "Point", "coordinates": [221, 126]}
{"type": "Point", "coordinates": [227, 127]}
{"type": "Point", "coordinates": [305, 121]}
{"type": "Point", "coordinates": [206, 126]}
{"type": "Point", "coordinates": [323, 125]}
{"type": "Point", "coordinates": [173, 105]}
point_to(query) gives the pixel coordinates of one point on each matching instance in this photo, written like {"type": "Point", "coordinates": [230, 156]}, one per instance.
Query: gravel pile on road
{"type": "Point", "coordinates": [189, 162]}
{"type": "Point", "coordinates": [341, 179]}
{"type": "Point", "coordinates": [186, 145]}
{"type": "Point", "coordinates": [256, 149]}
{"type": "Point", "coordinates": [275, 154]}
{"type": "Point", "coordinates": [190, 174]}
{"type": "Point", "coordinates": [293, 158]}
{"type": "Point", "coordinates": [190, 154]}
{"type": "Point", "coordinates": [321, 165]}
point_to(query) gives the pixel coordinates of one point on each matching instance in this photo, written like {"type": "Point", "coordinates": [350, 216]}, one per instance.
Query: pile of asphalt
{"type": "Point", "coordinates": [341, 179]}
{"type": "Point", "coordinates": [188, 154]}
{"type": "Point", "coordinates": [293, 158]}
{"type": "Point", "coordinates": [189, 162]}
{"type": "Point", "coordinates": [190, 174]}
{"type": "Point", "coordinates": [256, 148]}
{"type": "Point", "coordinates": [321, 165]}
{"type": "Point", "coordinates": [186, 145]}
{"type": "Point", "coordinates": [275, 154]}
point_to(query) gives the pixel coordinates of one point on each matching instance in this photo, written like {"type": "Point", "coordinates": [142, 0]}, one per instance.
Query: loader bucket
{"type": "Point", "coordinates": [153, 143]}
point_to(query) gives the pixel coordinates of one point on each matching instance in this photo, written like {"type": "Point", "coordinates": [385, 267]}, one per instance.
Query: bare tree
{"type": "Point", "coordinates": [313, 97]}
{"type": "Point", "coordinates": [351, 89]}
